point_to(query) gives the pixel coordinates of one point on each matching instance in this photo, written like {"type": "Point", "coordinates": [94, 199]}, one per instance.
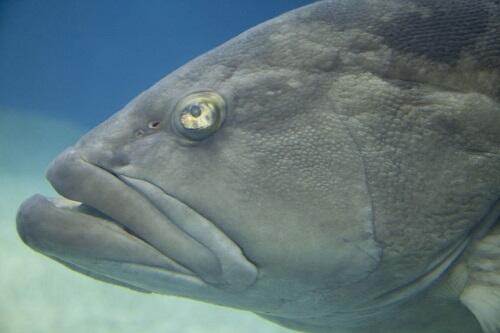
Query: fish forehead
{"type": "Point", "coordinates": [450, 43]}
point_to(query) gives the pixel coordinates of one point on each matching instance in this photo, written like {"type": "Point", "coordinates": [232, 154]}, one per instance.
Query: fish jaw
{"type": "Point", "coordinates": [112, 229]}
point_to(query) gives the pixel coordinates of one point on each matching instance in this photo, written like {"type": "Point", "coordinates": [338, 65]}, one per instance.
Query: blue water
{"type": "Point", "coordinates": [83, 60]}
{"type": "Point", "coordinates": [65, 66]}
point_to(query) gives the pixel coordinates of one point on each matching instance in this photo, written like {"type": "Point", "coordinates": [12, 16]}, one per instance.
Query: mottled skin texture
{"type": "Point", "coordinates": [361, 143]}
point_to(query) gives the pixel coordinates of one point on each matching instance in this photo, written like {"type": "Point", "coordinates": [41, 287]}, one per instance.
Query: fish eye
{"type": "Point", "coordinates": [199, 115]}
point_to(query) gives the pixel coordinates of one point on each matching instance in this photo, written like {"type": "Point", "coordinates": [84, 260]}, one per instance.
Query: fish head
{"type": "Point", "coordinates": [272, 175]}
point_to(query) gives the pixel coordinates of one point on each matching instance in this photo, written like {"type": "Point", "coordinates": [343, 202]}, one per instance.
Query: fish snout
{"type": "Point", "coordinates": [137, 208]}
{"type": "Point", "coordinates": [62, 171]}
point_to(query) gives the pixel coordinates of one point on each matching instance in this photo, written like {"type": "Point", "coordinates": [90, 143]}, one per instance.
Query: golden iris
{"type": "Point", "coordinates": [199, 115]}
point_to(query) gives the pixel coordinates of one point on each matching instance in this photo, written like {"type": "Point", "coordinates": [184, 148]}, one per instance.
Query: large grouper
{"type": "Point", "coordinates": [335, 169]}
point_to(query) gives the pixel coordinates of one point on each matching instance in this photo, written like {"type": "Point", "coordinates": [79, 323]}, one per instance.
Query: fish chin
{"type": "Point", "coordinates": [115, 228]}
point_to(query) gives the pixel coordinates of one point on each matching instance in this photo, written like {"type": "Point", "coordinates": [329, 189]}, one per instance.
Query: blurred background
{"type": "Point", "coordinates": [83, 60]}
{"type": "Point", "coordinates": [65, 66]}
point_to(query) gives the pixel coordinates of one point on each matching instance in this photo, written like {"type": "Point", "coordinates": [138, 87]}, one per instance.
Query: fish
{"type": "Point", "coordinates": [334, 169]}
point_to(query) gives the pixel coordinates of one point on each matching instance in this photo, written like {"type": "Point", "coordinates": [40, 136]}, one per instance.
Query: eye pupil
{"type": "Point", "coordinates": [195, 110]}
{"type": "Point", "coordinates": [199, 115]}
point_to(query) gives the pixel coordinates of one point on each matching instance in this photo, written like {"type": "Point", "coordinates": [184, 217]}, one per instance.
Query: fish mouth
{"type": "Point", "coordinates": [129, 231]}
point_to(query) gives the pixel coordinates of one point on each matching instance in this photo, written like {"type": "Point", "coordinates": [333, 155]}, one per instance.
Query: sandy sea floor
{"type": "Point", "coordinates": [39, 295]}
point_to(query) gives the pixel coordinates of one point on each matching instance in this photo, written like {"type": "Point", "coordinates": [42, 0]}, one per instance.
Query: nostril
{"type": "Point", "coordinates": [154, 124]}
{"type": "Point", "coordinates": [120, 159]}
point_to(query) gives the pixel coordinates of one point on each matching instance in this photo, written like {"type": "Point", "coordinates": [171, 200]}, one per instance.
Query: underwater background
{"type": "Point", "coordinates": [65, 66]}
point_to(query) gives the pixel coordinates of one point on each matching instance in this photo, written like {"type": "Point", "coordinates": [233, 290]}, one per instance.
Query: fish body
{"type": "Point", "coordinates": [335, 169]}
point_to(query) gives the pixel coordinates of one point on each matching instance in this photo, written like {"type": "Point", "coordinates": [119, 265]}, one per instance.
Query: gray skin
{"type": "Point", "coordinates": [358, 159]}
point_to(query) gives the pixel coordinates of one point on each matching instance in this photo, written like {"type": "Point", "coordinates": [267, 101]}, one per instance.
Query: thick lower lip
{"type": "Point", "coordinates": [123, 224]}
{"type": "Point", "coordinates": [73, 232]}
